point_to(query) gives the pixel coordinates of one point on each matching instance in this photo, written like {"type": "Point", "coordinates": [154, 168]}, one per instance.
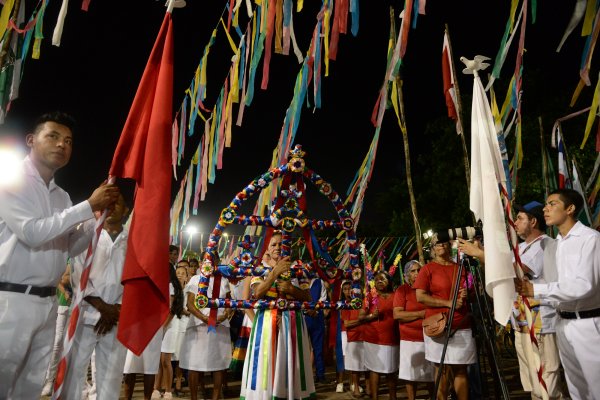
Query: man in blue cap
{"type": "Point", "coordinates": [536, 253]}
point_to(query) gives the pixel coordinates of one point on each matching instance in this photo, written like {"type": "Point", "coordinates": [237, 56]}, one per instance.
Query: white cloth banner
{"type": "Point", "coordinates": [485, 202]}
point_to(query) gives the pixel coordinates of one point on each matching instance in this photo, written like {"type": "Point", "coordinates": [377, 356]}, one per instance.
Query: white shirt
{"type": "Point", "coordinates": [192, 287]}
{"type": "Point", "coordinates": [105, 274]}
{"type": "Point", "coordinates": [532, 255]}
{"type": "Point", "coordinates": [38, 230]}
{"type": "Point", "coordinates": [578, 266]}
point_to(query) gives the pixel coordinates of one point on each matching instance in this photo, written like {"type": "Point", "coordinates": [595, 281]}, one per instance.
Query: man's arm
{"type": "Point", "coordinates": [19, 211]}
{"type": "Point", "coordinates": [582, 278]}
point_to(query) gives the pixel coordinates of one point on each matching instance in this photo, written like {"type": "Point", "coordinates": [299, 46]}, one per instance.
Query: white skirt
{"type": "Point", "coordinates": [169, 342]}
{"type": "Point", "coordinates": [148, 362]}
{"type": "Point", "coordinates": [354, 357]}
{"type": "Point", "coordinates": [413, 365]}
{"type": "Point", "coordinates": [381, 358]}
{"type": "Point", "coordinates": [183, 323]}
{"type": "Point", "coordinates": [204, 351]}
{"type": "Point", "coordinates": [461, 348]}
{"type": "Point", "coordinates": [344, 336]}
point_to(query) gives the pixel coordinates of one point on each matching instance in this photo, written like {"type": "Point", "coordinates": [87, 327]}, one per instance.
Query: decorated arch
{"type": "Point", "coordinates": [288, 214]}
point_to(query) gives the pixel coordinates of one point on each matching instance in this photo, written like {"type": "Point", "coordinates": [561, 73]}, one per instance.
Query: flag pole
{"type": "Point", "coordinates": [413, 203]}
{"type": "Point", "coordinates": [459, 115]}
{"type": "Point", "coordinates": [544, 160]}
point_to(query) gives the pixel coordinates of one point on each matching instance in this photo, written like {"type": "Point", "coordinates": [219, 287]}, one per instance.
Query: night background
{"type": "Point", "coordinates": [95, 72]}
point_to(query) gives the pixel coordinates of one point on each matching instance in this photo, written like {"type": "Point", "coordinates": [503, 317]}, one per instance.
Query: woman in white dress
{"type": "Point", "coordinates": [203, 351]}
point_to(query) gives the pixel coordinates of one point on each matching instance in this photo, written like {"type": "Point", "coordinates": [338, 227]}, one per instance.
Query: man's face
{"type": "Point", "coordinates": [523, 225]}
{"type": "Point", "coordinates": [555, 212]}
{"type": "Point", "coordinates": [275, 247]}
{"type": "Point", "coordinates": [346, 290]}
{"type": "Point", "coordinates": [173, 255]}
{"type": "Point", "coordinates": [51, 146]}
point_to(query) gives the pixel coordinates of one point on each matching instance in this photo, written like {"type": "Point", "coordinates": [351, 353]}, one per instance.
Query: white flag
{"type": "Point", "coordinates": [486, 176]}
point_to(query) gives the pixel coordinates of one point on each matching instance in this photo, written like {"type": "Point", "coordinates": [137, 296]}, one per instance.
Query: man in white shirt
{"type": "Point", "coordinates": [100, 312]}
{"type": "Point", "coordinates": [38, 231]}
{"type": "Point", "coordinates": [576, 293]}
{"type": "Point", "coordinates": [535, 252]}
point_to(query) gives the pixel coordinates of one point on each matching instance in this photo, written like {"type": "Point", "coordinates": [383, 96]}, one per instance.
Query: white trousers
{"type": "Point", "coordinates": [27, 325]}
{"type": "Point", "coordinates": [548, 353]}
{"type": "Point", "coordinates": [110, 359]}
{"type": "Point", "coordinates": [579, 348]}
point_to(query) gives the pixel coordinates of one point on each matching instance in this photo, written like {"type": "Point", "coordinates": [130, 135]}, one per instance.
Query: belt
{"type": "Point", "coordinates": [580, 314]}
{"type": "Point", "coordinates": [27, 289]}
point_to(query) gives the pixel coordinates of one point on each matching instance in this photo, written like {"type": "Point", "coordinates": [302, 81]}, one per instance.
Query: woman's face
{"type": "Point", "coordinates": [274, 249]}
{"type": "Point", "coordinates": [412, 273]}
{"type": "Point", "coordinates": [381, 282]}
{"type": "Point", "coordinates": [181, 273]}
{"type": "Point", "coordinates": [441, 250]}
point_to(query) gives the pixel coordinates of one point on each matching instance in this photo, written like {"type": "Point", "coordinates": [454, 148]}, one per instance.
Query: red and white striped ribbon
{"type": "Point", "coordinates": [74, 319]}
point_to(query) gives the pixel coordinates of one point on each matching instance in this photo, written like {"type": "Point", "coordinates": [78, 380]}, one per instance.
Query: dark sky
{"type": "Point", "coordinates": [95, 72]}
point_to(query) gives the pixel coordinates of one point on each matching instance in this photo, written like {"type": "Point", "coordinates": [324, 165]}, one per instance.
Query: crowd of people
{"type": "Point", "coordinates": [278, 353]}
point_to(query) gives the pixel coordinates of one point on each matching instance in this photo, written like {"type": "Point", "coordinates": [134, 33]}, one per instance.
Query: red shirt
{"type": "Point", "coordinates": [354, 334]}
{"type": "Point", "coordinates": [382, 330]}
{"type": "Point", "coordinates": [436, 280]}
{"type": "Point", "coordinates": [406, 297]}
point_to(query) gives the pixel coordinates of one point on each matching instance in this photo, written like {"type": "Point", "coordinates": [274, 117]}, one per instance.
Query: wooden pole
{"type": "Point", "coordinates": [544, 160]}
{"type": "Point", "coordinates": [460, 121]}
{"type": "Point", "coordinates": [459, 114]}
{"type": "Point", "coordinates": [411, 193]}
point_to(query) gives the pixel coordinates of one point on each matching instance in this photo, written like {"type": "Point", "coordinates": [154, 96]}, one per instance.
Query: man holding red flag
{"type": "Point", "coordinates": [143, 154]}
{"type": "Point", "coordinates": [38, 231]}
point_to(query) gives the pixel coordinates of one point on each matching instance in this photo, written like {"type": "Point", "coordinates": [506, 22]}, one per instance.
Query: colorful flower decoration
{"type": "Point", "coordinates": [227, 216]}
{"type": "Point", "coordinates": [356, 274]}
{"type": "Point", "coordinates": [289, 224]}
{"type": "Point", "coordinates": [291, 203]}
{"type": "Point", "coordinates": [348, 224]}
{"type": "Point", "coordinates": [356, 303]}
{"type": "Point", "coordinates": [201, 301]}
{"type": "Point", "coordinates": [325, 189]}
{"type": "Point", "coordinates": [281, 304]}
{"type": "Point", "coordinates": [207, 268]}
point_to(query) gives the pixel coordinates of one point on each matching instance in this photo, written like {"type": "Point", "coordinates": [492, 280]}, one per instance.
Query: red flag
{"type": "Point", "coordinates": [448, 76]}
{"type": "Point", "coordinates": [144, 154]}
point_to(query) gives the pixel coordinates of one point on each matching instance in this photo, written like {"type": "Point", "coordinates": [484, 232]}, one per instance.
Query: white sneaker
{"type": "Point", "coordinates": [156, 394]}
{"type": "Point", "coordinates": [339, 388]}
{"type": "Point", "coordinates": [360, 388]}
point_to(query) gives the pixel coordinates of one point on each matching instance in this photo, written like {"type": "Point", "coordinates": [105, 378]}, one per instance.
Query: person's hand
{"type": "Point", "coordinates": [471, 249]}
{"type": "Point", "coordinates": [284, 287]}
{"type": "Point", "coordinates": [105, 196]}
{"type": "Point", "coordinates": [311, 313]}
{"type": "Point", "coordinates": [103, 326]}
{"type": "Point", "coordinates": [110, 312]}
{"type": "Point", "coordinates": [375, 314]}
{"type": "Point", "coordinates": [422, 314]}
{"type": "Point", "coordinates": [282, 266]}
{"type": "Point", "coordinates": [462, 293]}
{"type": "Point", "coordinates": [524, 287]}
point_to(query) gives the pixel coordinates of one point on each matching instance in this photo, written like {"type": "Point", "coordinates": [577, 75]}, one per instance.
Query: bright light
{"type": "Point", "coordinates": [225, 234]}
{"type": "Point", "coordinates": [10, 162]}
{"type": "Point", "coordinates": [191, 229]}
{"type": "Point", "coordinates": [428, 234]}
